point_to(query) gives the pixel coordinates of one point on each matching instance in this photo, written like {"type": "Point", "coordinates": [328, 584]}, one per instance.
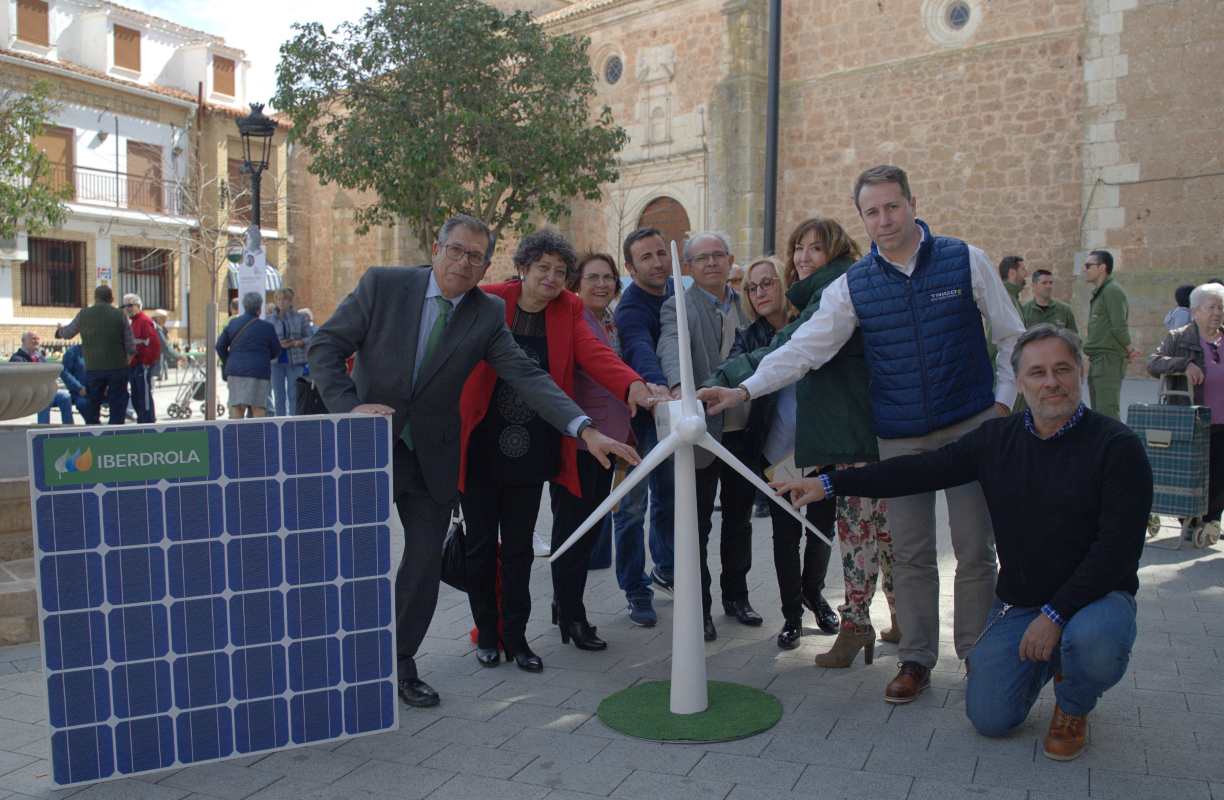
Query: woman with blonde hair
{"type": "Point", "coordinates": [830, 425]}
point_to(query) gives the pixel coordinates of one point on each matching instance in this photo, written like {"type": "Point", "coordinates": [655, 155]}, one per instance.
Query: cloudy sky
{"type": "Point", "coordinates": [257, 26]}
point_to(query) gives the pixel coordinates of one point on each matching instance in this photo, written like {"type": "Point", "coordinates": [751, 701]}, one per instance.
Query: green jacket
{"type": "Point", "coordinates": [1107, 314]}
{"type": "Point", "coordinates": [102, 337]}
{"type": "Point", "coordinates": [1014, 291]}
{"type": "Point", "coordinates": [834, 424]}
{"type": "Point", "coordinates": [1056, 313]}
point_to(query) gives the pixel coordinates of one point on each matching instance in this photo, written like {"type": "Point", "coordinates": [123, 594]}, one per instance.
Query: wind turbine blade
{"type": "Point", "coordinates": [716, 447]}
{"type": "Point", "coordinates": [641, 472]}
{"type": "Point", "coordinates": [688, 391]}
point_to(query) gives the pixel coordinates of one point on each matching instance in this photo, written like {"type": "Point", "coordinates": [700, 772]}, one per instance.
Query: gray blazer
{"type": "Point", "coordinates": [705, 335]}
{"type": "Point", "coordinates": [380, 321]}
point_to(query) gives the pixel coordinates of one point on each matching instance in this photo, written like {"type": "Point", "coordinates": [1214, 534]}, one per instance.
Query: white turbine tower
{"type": "Point", "coordinates": [686, 423]}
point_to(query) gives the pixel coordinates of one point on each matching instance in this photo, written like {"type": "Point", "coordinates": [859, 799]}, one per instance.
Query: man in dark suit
{"type": "Point", "coordinates": [418, 333]}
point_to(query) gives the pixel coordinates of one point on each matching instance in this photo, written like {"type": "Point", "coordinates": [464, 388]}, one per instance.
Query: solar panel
{"type": "Point", "coordinates": [212, 590]}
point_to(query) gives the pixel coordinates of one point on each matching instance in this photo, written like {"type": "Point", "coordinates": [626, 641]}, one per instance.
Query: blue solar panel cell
{"type": "Point", "coordinates": [308, 446]}
{"type": "Point", "coordinates": [132, 517]}
{"type": "Point", "coordinates": [311, 557]}
{"type": "Point", "coordinates": [138, 632]}
{"type": "Point", "coordinates": [71, 581]}
{"type": "Point", "coordinates": [67, 522]}
{"type": "Point", "coordinates": [81, 697]}
{"type": "Point", "coordinates": [314, 664]}
{"type": "Point", "coordinates": [243, 609]}
{"type": "Point", "coordinates": [135, 575]}
{"type": "Point", "coordinates": [262, 725]}
{"type": "Point", "coordinates": [145, 744]}
{"type": "Point", "coordinates": [254, 563]}
{"type": "Point", "coordinates": [197, 569]}
{"type": "Point", "coordinates": [194, 512]}
{"type": "Point", "coordinates": [252, 507]}
{"type": "Point", "coordinates": [199, 625]}
{"type": "Point", "coordinates": [72, 641]}
{"type": "Point", "coordinates": [310, 503]}
{"type": "Point", "coordinates": [365, 552]}
{"type": "Point", "coordinates": [141, 689]}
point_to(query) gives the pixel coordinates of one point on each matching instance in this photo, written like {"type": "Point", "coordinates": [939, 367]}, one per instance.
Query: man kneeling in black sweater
{"type": "Point", "coordinates": [1069, 492]}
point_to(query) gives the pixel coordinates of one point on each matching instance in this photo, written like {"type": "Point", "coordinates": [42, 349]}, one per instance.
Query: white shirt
{"type": "Point", "coordinates": [823, 335]}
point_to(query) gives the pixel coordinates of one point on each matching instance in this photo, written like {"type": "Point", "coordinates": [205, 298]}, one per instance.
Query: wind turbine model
{"type": "Point", "coordinates": [686, 422]}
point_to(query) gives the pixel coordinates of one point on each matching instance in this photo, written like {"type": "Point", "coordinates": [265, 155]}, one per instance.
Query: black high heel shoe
{"type": "Point", "coordinates": [526, 660]}
{"type": "Point", "coordinates": [583, 634]}
{"type": "Point", "coordinates": [487, 656]}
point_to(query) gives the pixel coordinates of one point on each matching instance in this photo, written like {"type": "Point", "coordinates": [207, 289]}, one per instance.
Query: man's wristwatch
{"type": "Point", "coordinates": [582, 426]}
{"type": "Point", "coordinates": [747, 394]}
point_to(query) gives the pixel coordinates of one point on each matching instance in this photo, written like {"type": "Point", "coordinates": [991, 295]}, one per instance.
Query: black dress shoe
{"type": "Point", "coordinates": [826, 617]}
{"type": "Point", "coordinates": [788, 637]}
{"type": "Point", "coordinates": [583, 635]}
{"type": "Point", "coordinates": [711, 633]}
{"type": "Point", "coordinates": [741, 610]}
{"type": "Point", "coordinates": [526, 659]}
{"type": "Point", "coordinates": [487, 656]}
{"type": "Point", "coordinates": [416, 692]}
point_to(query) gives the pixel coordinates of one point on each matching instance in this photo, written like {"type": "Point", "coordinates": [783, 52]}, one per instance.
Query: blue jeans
{"type": "Point", "coordinates": [629, 521]}
{"type": "Point", "coordinates": [142, 393]}
{"type": "Point", "coordinates": [1091, 656]}
{"type": "Point", "coordinates": [62, 401]}
{"type": "Point", "coordinates": [284, 387]}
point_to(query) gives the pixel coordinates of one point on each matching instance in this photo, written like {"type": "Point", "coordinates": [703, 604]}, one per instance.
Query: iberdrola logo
{"type": "Point", "coordinates": [74, 461]}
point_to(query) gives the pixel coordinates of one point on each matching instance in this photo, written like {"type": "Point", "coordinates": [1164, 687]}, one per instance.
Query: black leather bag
{"type": "Point", "coordinates": [454, 555]}
{"type": "Point", "coordinates": [309, 401]}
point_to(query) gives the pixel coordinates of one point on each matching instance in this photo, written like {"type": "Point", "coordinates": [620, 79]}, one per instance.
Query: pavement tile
{"type": "Point", "coordinates": [549, 718]}
{"type": "Point", "coordinates": [552, 744]}
{"type": "Point", "coordinates": [447, 684]}
{"type": "Point", "coordinates": [470, 787]}
{"type": "Point", "coordinates": [884, 734]}
{"type": "Point", "coordinates": [290, 789]}
{"type": "Point", "coordinates": [398, 747]}
{"type": "Point", "coordinates": [310, 764]}
{"type": "Point", "coordinates": [673, 759]}
{"type": "Point", "coordinates": [725, 767]}
{"type": "Point", "coordinates": [481, 761]}
{"type": "Point", "coordinates": [1113, 785]}
{"type": "Point", "coordinates": [126, 789]}
{"type": "Point", "coordinates": [926, 789]}
{"type": "Point", "coordinates": [587, 700]}
{"type": "Point", "coordinates": [817, 750]}
{"type": "Point", "coordinates": [472, 708]}
{"type": "Point", "coordinates": [402, 780]}
{"type": "Point", "coordinates": [1043, 774]}
{"type": "Point", "coordinates": [643, 784]}
{"type": "Point", "coordinates": [558, 773]}
{"type": "Point", "coordinates": [1180, 762]}
{"type": "Point", "coordinates": [466, 731]}
{"type": "Point", "coordinates": [31, 683]}
{"type": "Point", "coordinates": [832, 783]}
{"type": "Point", "coordinates": [221, 779]}
{"type": "Point", "coordinates": [539, 692]}
{"type": "Point", "coordinates": [955, 768]}
{"type": "Point", "coordinates": [10, 761]}
{"type": "Point", "coordinates": [34, 780]}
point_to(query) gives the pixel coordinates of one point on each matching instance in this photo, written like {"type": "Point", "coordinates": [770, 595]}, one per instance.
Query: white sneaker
{"type": "Point", "coordinates": [543, 548]}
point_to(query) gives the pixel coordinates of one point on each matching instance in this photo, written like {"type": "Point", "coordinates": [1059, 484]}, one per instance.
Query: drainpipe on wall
{"type": "Point", "coordinates": [771, 125]}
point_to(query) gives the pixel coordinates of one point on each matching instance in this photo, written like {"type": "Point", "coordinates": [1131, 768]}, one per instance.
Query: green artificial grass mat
{"type": "Point", "coordinates": [734, 712]}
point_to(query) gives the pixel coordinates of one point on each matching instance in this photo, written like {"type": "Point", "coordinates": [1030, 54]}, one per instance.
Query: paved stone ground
{"type": "Point", "coordinates": [504, 733]}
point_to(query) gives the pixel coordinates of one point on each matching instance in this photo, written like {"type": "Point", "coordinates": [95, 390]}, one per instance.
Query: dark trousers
{"type": "Point", "coordinates": [569, 572]}
{"type": "Point", "coordinates": [425, 524]}
{"type": "Point", "coordinates": [797, 580]}
{"type": "Point", "coordinates": [106, 386]}
{"type": "Point", "coordinates": [1215, 482]}
{"type": "Point", "coordinates": [507, 513]}
{"type": "Point", "coordinates": [142, 394]}
{"type": "Point", "coordinates": [735, 541]}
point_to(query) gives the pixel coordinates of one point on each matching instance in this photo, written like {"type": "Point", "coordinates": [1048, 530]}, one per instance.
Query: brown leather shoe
{"type": "Point", "coordinates": [1067, 737]}
{"type": "Point", "coordinates": [911, 681]}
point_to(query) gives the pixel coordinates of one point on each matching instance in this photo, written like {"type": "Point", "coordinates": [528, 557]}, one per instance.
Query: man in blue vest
{"type": "Point", "coordinates": [919, 299]}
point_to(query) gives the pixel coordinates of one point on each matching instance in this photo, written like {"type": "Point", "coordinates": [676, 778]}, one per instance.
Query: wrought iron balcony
{"type": "Point", "coordinates": [101, 187]}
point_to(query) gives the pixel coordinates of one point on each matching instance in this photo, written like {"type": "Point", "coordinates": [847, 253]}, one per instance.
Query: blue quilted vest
{"type": "Point", "coordinates": [924, 340]}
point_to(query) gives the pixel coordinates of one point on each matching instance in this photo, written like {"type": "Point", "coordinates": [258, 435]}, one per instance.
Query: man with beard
{"type": "Point", "coordinates": [1069, 492]}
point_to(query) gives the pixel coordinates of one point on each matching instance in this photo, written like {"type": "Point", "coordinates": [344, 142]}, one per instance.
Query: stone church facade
{"type": "Point", "coordinates": [1043, 128]}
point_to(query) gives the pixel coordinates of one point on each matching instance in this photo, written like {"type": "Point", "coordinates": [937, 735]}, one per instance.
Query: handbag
{"type": "Point", "coordinates": [309, 401]}
{"type": "Point", "coordinates": [454, 553]}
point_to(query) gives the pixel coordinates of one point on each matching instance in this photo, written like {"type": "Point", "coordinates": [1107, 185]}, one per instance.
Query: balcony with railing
{"type": "Point", "coordinates": [99, 187]}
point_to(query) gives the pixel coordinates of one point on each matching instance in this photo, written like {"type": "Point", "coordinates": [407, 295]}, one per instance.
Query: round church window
{"type": "Point", "coordinates": [958, 15]}
{"type": "Point", "coordinates": [613, 69]}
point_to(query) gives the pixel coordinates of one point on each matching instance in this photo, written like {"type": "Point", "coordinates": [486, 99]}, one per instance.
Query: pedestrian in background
{"type": "Point", "coordinates": [247, 348]}
{"type": "Point", "coordinates": [107, 344]}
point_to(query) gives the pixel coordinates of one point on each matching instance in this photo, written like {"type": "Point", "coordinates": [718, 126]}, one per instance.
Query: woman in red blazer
{"type": "Point", "coordinates": [508, 453]}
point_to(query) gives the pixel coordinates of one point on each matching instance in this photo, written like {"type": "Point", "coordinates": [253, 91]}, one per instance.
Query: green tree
{"type": "Point", "coordinates": [446, 106]}
{"type": "Point", "coordinates": [30, 195]}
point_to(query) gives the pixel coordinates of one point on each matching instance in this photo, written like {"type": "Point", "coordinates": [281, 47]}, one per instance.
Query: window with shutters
{"type": "Point", "coordinates": [33, 22]}
{"type": "Point", "coordinates": [127, 48]}
{"type": "Point", "coordinates": [146, 271]}
{"type": "Point", "coordinates": [223, 76]}
{"type": "Point", "coordinates": [52, 276]}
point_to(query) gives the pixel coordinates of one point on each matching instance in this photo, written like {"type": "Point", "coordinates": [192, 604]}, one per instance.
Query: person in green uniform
{"type": "Point", "coordinates": [1013, 272]}
{"type": "Point", "coordinates": [1108, 344]}
{"type": "Point", "coordinates": [1044, 308]}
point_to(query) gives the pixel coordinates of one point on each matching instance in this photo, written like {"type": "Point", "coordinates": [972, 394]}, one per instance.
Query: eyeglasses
{"type": "Point", "coordinates": [765, 286]}
{"type": "Point", "coordinates": [706, 258]}
{"type": "Point", "coordinates": [454, 252]}
{"type": "Point", "coordinates": [592, 277]}
{"type": "Point", "coordinates": [129, 305]}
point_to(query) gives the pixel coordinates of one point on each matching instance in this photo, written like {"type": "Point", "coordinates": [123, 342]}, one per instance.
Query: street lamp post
{"type": "Point", "coordinates": [256, 131]}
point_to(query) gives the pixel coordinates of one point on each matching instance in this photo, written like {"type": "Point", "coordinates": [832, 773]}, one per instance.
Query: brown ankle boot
{"type": "Point", "coordinates": [893, 634]}
{"type": "Point", "coordinates": [1067, 736]}
{"type": "Point", "coordinates": [850, 639]}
